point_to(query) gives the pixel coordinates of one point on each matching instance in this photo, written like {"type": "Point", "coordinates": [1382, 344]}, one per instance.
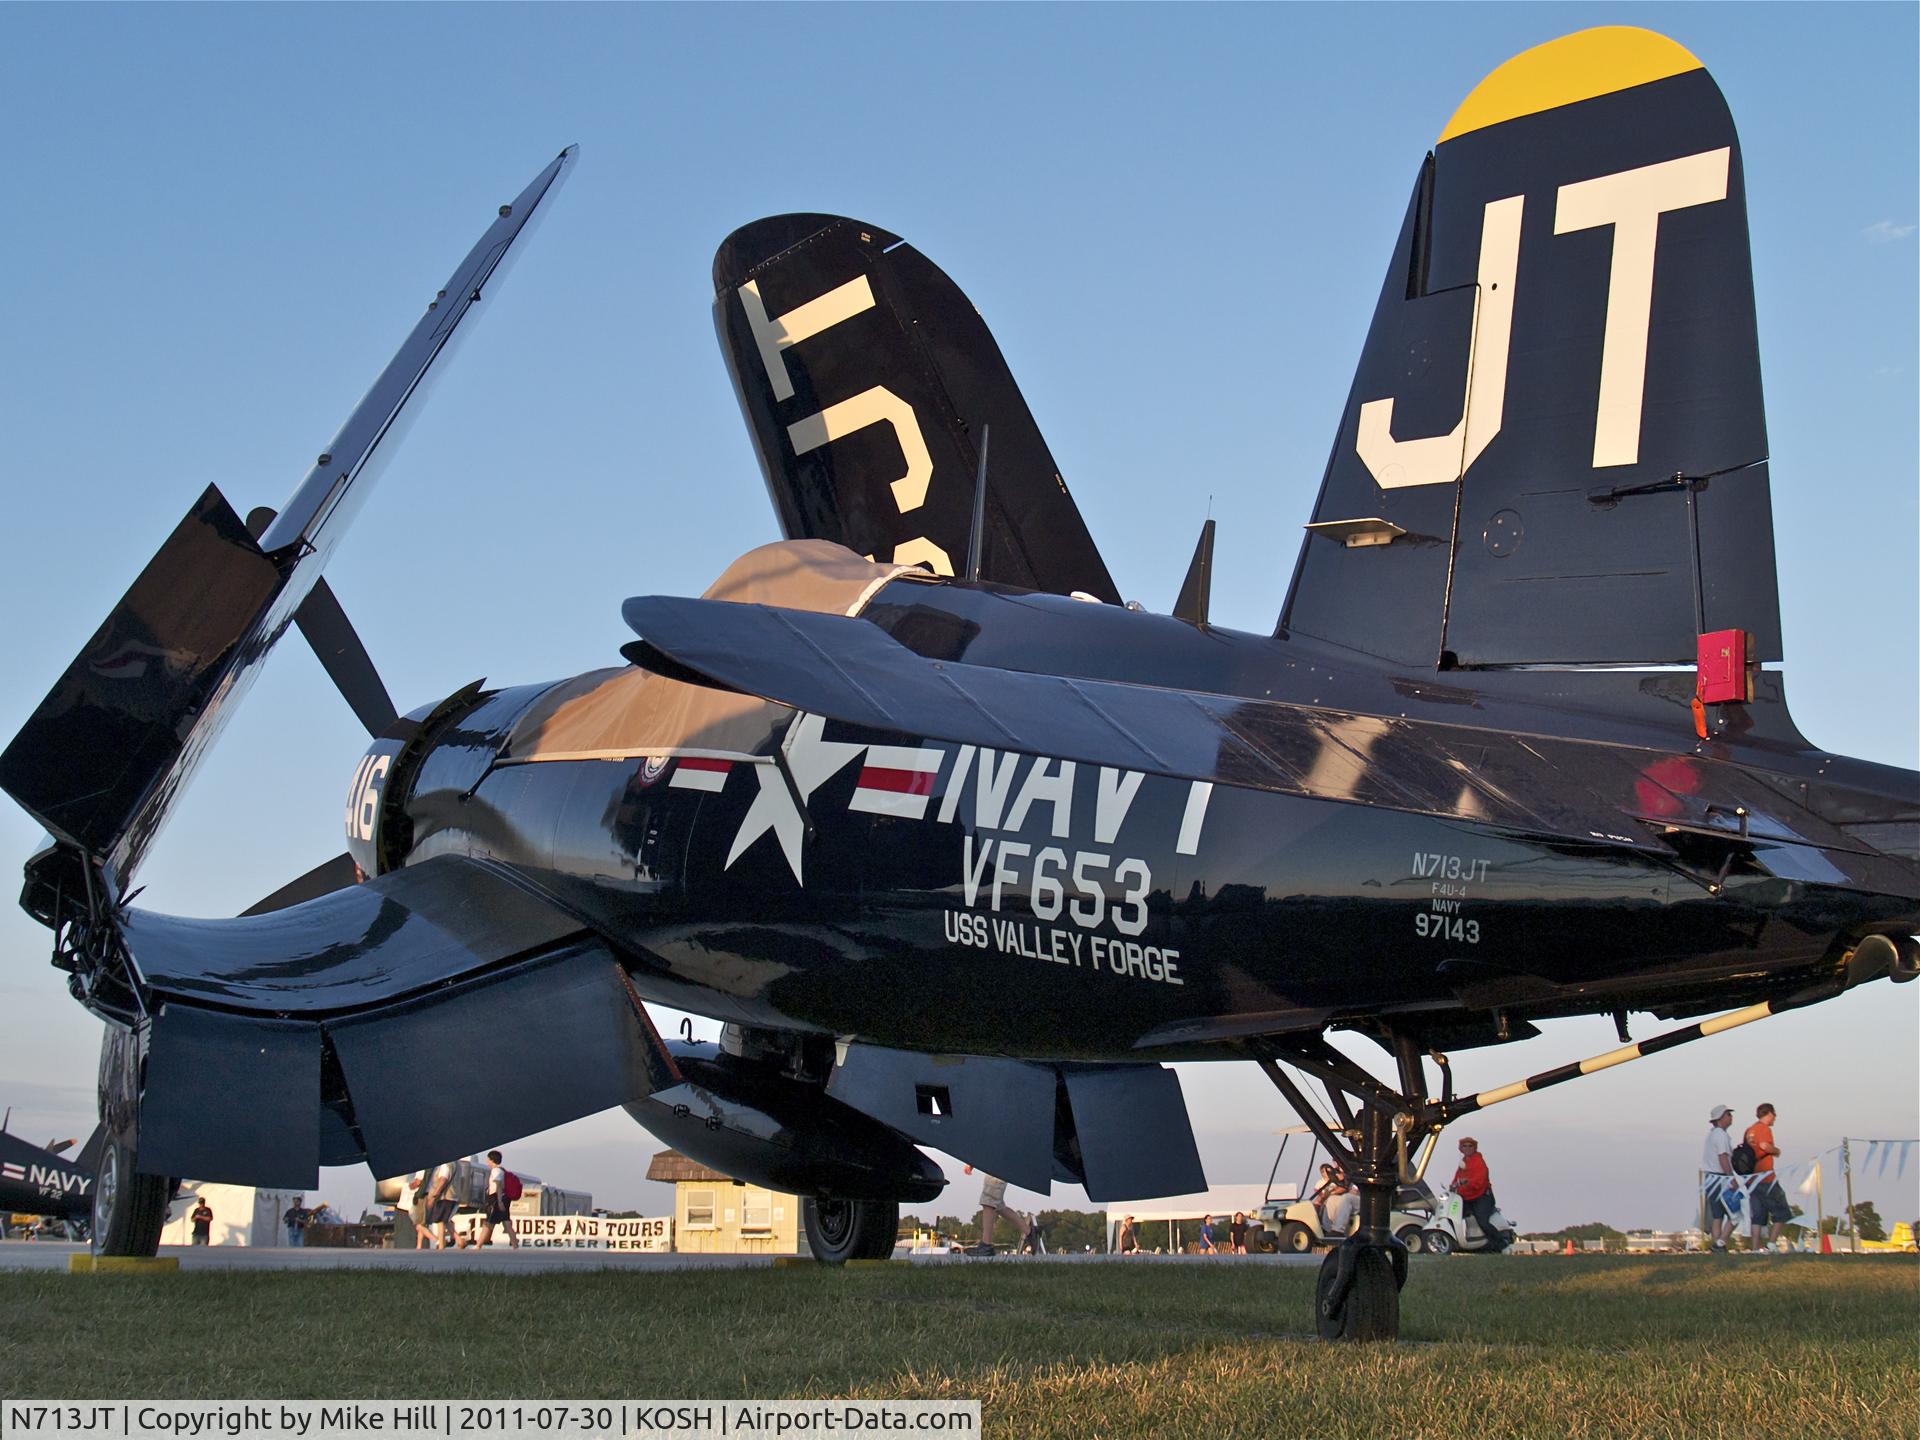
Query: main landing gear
{"type": "Point", "coordinates": [843, 1230]}
{"type": "Point", "coordinates": [129, 1209]}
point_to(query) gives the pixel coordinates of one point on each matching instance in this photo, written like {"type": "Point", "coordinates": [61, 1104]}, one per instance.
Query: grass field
{"type": "Point", "coordinates": [1761, 1348]}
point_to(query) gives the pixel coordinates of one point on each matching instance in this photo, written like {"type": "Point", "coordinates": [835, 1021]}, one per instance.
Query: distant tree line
{"type": "Point", "coordinates": [1065, 1230]}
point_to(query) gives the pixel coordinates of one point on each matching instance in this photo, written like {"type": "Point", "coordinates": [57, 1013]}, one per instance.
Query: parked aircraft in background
{"type": "Point", "coordinates": [1512, 752]}
{"type": "Point", "coordinates": [46, 1179]}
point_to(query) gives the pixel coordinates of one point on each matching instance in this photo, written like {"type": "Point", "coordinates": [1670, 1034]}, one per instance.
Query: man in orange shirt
{"type": "Point", "coordinates": [1474, 1186]}
{"type": "Point", "coordinates": [1766, 1201]}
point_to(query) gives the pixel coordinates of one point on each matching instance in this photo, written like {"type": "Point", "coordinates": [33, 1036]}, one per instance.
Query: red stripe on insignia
{"type": "Point", "coordinates": [692, 762]}
{"type": "Point", "coordinates": [900, 782]}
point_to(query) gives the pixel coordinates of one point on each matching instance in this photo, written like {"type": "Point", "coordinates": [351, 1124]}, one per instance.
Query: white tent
{"type": "Point", "coordinates": [242, 1215]}
{"type": "Point", "coordinates": [1185, 1212]}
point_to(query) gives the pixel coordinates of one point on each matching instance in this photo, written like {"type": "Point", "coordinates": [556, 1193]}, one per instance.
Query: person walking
{"type": "Point", "coordinates": [993, 1204]}
{"type": "Point", "coordinates": [498, 1209]}
{"type": "Point", "coordinates": [1474, 1186]}
{"type": "Point", "coordinates": [202, 1218]}
{"type": "Point", "coordinates": [1716, 1165]}
{"type": "Point", "coordinates": [1129, 1240]}
{"type": "Point", "coordinates": [1767, 1207]}
{"type": "Point", "coordinates": [440, 1205]}
{"type": "Point", "coordinates": [417, 1208]}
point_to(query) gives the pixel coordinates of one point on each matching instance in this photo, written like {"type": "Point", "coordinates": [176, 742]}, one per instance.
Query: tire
{"type": "Point", "coordinates": [1295, 1238]}
{"type": "Point", "coordinates": [1439, 1242]}
{"type": "Point", "coordinates": [129, 1209]}
{"type": "Point", "coordinates": [1413, 1239]}
{"type": "Point", "coordinates": [1262, 1242]}
{"type": "Point", "coordinates": [843, 1230]}
{"type": "Point", "coordinates": [1372, 1309]}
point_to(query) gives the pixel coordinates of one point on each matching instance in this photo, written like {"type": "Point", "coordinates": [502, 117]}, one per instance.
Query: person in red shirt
{"type": "Point", "coordinates": [1766, 1202]}
{"type": "Point", "coordinates": [1474, 1186]}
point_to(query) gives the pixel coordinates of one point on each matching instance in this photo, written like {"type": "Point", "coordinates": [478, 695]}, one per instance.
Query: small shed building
{"type": "Point", "coordinates": [714, 1214]}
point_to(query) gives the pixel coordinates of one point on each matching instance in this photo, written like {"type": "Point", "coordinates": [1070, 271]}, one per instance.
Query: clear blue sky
{"type": "Point", "coordinates": [222, 219]}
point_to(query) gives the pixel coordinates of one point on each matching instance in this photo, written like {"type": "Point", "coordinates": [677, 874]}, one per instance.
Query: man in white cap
{"type": "Point", "coordinates": [1716, 1163]}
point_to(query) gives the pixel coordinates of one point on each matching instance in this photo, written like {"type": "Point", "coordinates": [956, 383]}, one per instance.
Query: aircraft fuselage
{"type": "Point", "coordinates": [1431, 849]}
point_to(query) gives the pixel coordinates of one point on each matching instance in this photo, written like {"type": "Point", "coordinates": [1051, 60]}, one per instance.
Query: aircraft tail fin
{"type": "Point", "coordinates": [1554, 451]}
{"type": "Point", "coordinates": [866, 378]}
{"type": "Point", "coordinates": [89, 1157]}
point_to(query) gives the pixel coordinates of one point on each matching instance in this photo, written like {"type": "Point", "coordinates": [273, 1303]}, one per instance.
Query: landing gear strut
{"type": "Point", "coordinates": [1358, 1294]}
{"type": "Point", "coordinates": [129, 1209]}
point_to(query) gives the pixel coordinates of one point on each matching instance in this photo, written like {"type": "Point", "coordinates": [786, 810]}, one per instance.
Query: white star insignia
{"type": "Point", "coordinates": [812, 762]}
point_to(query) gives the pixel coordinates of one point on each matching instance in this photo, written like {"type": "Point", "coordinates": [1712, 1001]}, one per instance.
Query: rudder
{"type": "Point", "coordinates": [1556, 441]}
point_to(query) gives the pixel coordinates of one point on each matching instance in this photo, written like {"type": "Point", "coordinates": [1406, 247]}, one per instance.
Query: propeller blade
{"type": "Point", "coordinates": [333, 639]}
{"type": "Point", "coordinates": [323, 879]}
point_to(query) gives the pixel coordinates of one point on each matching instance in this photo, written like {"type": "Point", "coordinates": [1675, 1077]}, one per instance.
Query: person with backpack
{"type": "Point", "coordinates": [503, 1188]}
{"type": "Point", "coordinates": [1716, 1166]}
{"type": "Point", "coordinates": [1766, 1202]}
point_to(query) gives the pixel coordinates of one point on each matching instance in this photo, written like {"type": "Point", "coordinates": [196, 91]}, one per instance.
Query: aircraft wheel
{"type": "Point", "coordinates": [1295, 1238]}
{"type": "Point", "coordinates": [1371, 1310]}
{"type": "Point", "coordinates": [129, 1209]}
{"type": "Point", "coordinates": [843, 1230]}
{"type": "Point", "coordinates": [1411, 1237]}
{"type": "Point", "coordinates": [1439, 1242]}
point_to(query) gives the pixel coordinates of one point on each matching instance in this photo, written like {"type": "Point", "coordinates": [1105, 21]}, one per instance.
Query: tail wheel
{"type": "Point", "coordinates": [843, 1230]}
{"type": "Point", "coordinates": [129, 1209]}
{"type": "Point", "coordinates": [1295, 1238]}
{"type": "Point", "coordinates": [1411, 1237]}
{"type": "Point", "coordinates": [1371, 1310]}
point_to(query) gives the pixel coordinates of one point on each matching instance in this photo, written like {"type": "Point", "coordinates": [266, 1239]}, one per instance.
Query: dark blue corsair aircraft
{"type": "Point", "coordinates": [38, 1180]}
{"type": "Point", "coordinates": [1512, 753]}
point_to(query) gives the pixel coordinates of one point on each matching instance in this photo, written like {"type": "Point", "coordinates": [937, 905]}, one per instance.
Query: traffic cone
{"type": "Point", "coordinates": [1569, 1249]}
{"type": "Point", "coordinates": [1826, 1243]}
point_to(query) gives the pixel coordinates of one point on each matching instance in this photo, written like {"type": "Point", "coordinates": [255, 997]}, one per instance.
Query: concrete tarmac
{"type": "Point", "coordinates": [44, 1255]}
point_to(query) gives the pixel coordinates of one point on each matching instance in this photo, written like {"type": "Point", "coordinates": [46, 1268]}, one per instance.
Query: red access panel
{"type": "Point", "coordinates": [1720, 673]}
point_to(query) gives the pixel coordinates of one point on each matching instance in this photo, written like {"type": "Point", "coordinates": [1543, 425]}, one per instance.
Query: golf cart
{"type": "Point", "coordinates": [1288, 1222]}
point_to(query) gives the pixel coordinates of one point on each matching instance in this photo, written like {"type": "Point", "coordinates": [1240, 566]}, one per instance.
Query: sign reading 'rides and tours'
{"type": "Point", "coordinates": [590, 1232]}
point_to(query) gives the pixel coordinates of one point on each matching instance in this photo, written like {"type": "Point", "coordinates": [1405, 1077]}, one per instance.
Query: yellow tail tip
{"type": "Point", "coordinates": [1575, 67]}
